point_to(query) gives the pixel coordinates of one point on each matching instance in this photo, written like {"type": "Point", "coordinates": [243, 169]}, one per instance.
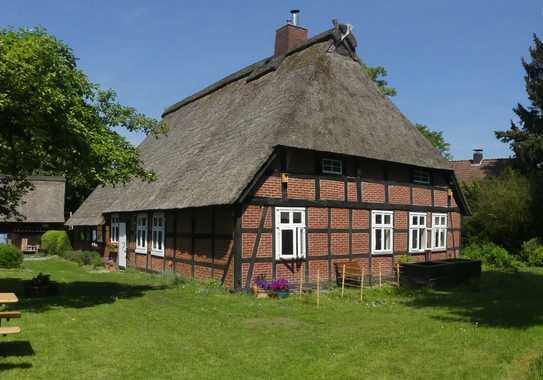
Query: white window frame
{"type": "Point", "coordinates": [114, 235]}
{"type": "Point", "coordinates": [141, 233]}
{"type": "Point", "coordinates": [332, 166]}
{"type": "Point", "coordinates": [439, 230]}
{"type": "Point", "coordinates": [298, 233]}
{"type": "Point", "coordinates": [383, 227]}
{"type": "Point", "coordinates": [421, 230]}
{"type": "Point", "coordinates": [158, 230]}
{"type": "Point", "coordinates": [421, 176]}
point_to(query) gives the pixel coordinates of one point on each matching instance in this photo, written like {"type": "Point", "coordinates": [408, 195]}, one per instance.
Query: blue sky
{"type": "Point", "coordinates": [455, 64]}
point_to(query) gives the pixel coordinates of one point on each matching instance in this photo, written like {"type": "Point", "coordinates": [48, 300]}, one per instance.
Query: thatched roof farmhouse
{"type": "Point", "coordinates": [304, 128]}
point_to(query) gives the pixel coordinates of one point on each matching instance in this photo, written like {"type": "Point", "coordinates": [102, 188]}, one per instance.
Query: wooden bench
{"type": "Point", "coordinates": [10, 330]}
{"type": "Point", "coordinates": [10, 314]}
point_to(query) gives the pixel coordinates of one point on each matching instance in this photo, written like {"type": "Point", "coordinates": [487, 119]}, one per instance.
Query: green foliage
{"type": "Point", "coordinates": [55, 242]}
{"type": "Point", "coordinates": [535, 371]}
{"type": "Point", "coordinates": [532, 252]}
{"type": "Point", "coordinates": [10, 256]}
{"type": "Point", "coordinates": [378, 75]}
{"type": "Point", "coordinates": [490, 254]}
{"type": "Point", "coordinates": [56, 122]}
{"type": "Point", "coordinates": [501, 210]}
{"type": "Point", "coordinates": [90, 258]}
{"type": "Point", "coordinates": [437, 140]}
{"type": "Point", "coordinates": [526, 136]}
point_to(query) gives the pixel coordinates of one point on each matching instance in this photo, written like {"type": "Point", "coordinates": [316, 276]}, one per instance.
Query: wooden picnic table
{"type": "Point", "coordinates": [6, 298]}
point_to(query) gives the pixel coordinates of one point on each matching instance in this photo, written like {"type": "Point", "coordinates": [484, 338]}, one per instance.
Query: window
{"type": "Point", "coordinates": [157, 247]}
{"type": "Point", "coordinates": [290, 233]}
{"type": "Point", "coordinates": [439, 231]}
{"type": "Point", "coordinates": [94, 234]}
{"type": "Point", "coordinates": [381, 231]}
{"type": "Point", "coordinates": [417, 232]}
{"type": "Point", "coordinates": [331, 166]}
{"type": "Point", "coordinates": [421, 176]}
{"type": "Point", "coordinates": [99, 234]}
{"type": "Point", "coordinates": [115, 220]}
{"type": "Point", "coordinates": [141, 233]}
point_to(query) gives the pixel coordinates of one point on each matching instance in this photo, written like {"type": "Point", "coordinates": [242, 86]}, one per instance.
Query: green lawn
{"type": "Point", "coordinates": [138, 326]}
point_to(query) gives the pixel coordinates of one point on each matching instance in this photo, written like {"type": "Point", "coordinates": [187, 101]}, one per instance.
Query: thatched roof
{"type": "Point", "coordinates": [316, 97]}
{"type": "Point", "coordinates": [44, 203]}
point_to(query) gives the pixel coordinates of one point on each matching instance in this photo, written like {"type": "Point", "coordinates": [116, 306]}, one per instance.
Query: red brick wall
{"type": "Point", "coordinates": [373, 192]}
{"type": "Point", "coordinates": [271, 188]}
{"type": "Point", "coordinates": [422, 196]}
{"type": "Point", "coordinates": [399, 194]}
{"type": "Point", "coordinates": [332, 190]}
{"type": "Point", "coordinates": [299, 188]}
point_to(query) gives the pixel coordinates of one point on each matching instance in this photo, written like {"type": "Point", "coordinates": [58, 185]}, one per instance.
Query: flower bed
{"type": "Point", "coordinates": [276, 289]}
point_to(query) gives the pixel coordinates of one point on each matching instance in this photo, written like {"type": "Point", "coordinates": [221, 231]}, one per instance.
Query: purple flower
{"type": "Point", "coordinates": [262, 283]}
{"type": "Point", "coordinates": [280, 284]}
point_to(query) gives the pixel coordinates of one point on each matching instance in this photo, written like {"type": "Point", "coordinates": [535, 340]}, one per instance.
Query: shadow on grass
{"type": "Point", "coordinates": [7, 366]}
{"type": "Point", "coordinates": [502, 299]}
{"type": "Point", "coordinates": [16, 348]}
{"type": "Point", "coordinates": [76, 294]}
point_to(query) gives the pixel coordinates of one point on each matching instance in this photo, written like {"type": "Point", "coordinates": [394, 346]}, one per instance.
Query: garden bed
{"type": "Point", "coordinates": [439, 274]}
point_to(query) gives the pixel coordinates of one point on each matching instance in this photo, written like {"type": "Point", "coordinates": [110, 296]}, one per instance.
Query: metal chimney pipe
{"type": "Point", "coordinates": [295, 16]}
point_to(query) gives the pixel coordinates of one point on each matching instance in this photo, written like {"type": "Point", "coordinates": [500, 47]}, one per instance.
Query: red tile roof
{"type": "Point", "coordinates": [467, 172]}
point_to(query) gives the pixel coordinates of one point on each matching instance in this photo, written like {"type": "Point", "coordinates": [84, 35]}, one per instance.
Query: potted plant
{"type": "Point", "coordinates": [280, 288]}
{"type": "Point", "coordinates": [261, 287]}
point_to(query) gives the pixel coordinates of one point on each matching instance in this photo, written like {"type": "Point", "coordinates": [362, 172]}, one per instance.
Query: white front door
{"type": "Point", "coordinates": [121, 254]}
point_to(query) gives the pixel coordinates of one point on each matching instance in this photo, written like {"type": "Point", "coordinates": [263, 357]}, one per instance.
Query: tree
{"type": "Point", "coordinates": [378, 75]}
{"type": "Point", "coordinates": [502, 210]}
{"type": "Point", "coordinates": [437, 140]}
{"type": "Point", "coordinates": [526, 136]}
{"type": "Point", "coordinates": [54, 121]}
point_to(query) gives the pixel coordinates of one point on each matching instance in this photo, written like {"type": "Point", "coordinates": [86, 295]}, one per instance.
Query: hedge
{"type": "Point", "coordinates": [55, 242]}
{"type": "Point", "coordinates": [10, 256]}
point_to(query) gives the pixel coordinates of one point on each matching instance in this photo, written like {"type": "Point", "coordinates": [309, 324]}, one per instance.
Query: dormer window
{"type": "Point", "coordinates": [421, 176]}
{"type": "Point", "coordinates": [332, 166]}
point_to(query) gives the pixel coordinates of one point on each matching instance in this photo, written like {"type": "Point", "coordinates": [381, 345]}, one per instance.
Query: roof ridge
{"type": "Point", "coordinates": [247, 71]}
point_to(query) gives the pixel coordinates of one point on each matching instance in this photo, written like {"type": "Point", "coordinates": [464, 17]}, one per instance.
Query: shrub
{"type": "Point", "coordinates": [55, 242]}
{"type": "Point", "coordinates": [532, 252]}
{"type": "Point", "coordinates": [490, 254]}
{"type": "Point", "coordinates": [10, 256]}
{"type": "Point", "coordinates": [84, 258]}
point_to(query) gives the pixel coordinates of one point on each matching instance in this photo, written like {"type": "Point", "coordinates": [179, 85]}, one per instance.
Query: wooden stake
{"type": "Point", "coordinates": [398, 273]}
{"type": "Point", "coordinates": [301, 278]}
{"type": "Point", "coordinates": [361, 283]}
{"type": "Point", "coordinates": [343, 281]}
{"type": "Point", "coordinates": [318, 286]}
{"type": "Point", "coordinates": [380, 276]}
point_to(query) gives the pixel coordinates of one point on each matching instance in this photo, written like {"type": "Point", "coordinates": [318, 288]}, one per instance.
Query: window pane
{"type": "Point", "coordinates": [378, 239]}
{"type": "Point", "coordinates": [414, 220]}
{"type": "Point", "coordinates": [387, 239]}
{"type": "Point", "coordinates": [160, 240]}
{"type": "Point", "coordinates": [286, 242]}
{"type": "Point", "coordinates": [297, 217]}
{"type": "Point", "coordinates": [378, 219]}
{"type": "Point", "coordinates": [442, 241]}
{"type": "Point", "coordinates": [387, 218]}
{"type": "Point", "coordinates": [414, 240]}
{"type": "Point", "coordinates": [285, 217]}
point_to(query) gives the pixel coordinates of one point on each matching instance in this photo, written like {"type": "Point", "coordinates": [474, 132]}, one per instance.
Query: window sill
{"type": "Point", "coordinates": [291, 259]}
{"type": "Point", "coordinates": [381, 253]}
{"type": "Point", "coordinates": [141, 250]}
{"type": "Point", "coordinates": [157, 253]}
{"type": "Point", "coordinates": [439, 249]}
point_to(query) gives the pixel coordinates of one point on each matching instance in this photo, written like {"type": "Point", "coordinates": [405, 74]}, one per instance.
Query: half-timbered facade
{"type": "Point", "coordinates": [292, 164]}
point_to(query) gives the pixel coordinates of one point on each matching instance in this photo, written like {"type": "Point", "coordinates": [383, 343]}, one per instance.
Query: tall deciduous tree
{"type": "Point", "coordinates": [54, 121]}
{"type": "Point", "coordinates": [437, 140]}
{"type": "Point", "coordinates": [526, 136]}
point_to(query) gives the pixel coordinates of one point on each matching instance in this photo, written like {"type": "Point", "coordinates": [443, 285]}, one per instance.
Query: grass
{"type": "Point", "coordinates": [139, 326]}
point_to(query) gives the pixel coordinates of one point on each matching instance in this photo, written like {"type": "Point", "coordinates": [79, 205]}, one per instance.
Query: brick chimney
{"type": "Point", "coordinates": [477, 157]}
{"type": "Point", "coordinates": [289, 36]}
